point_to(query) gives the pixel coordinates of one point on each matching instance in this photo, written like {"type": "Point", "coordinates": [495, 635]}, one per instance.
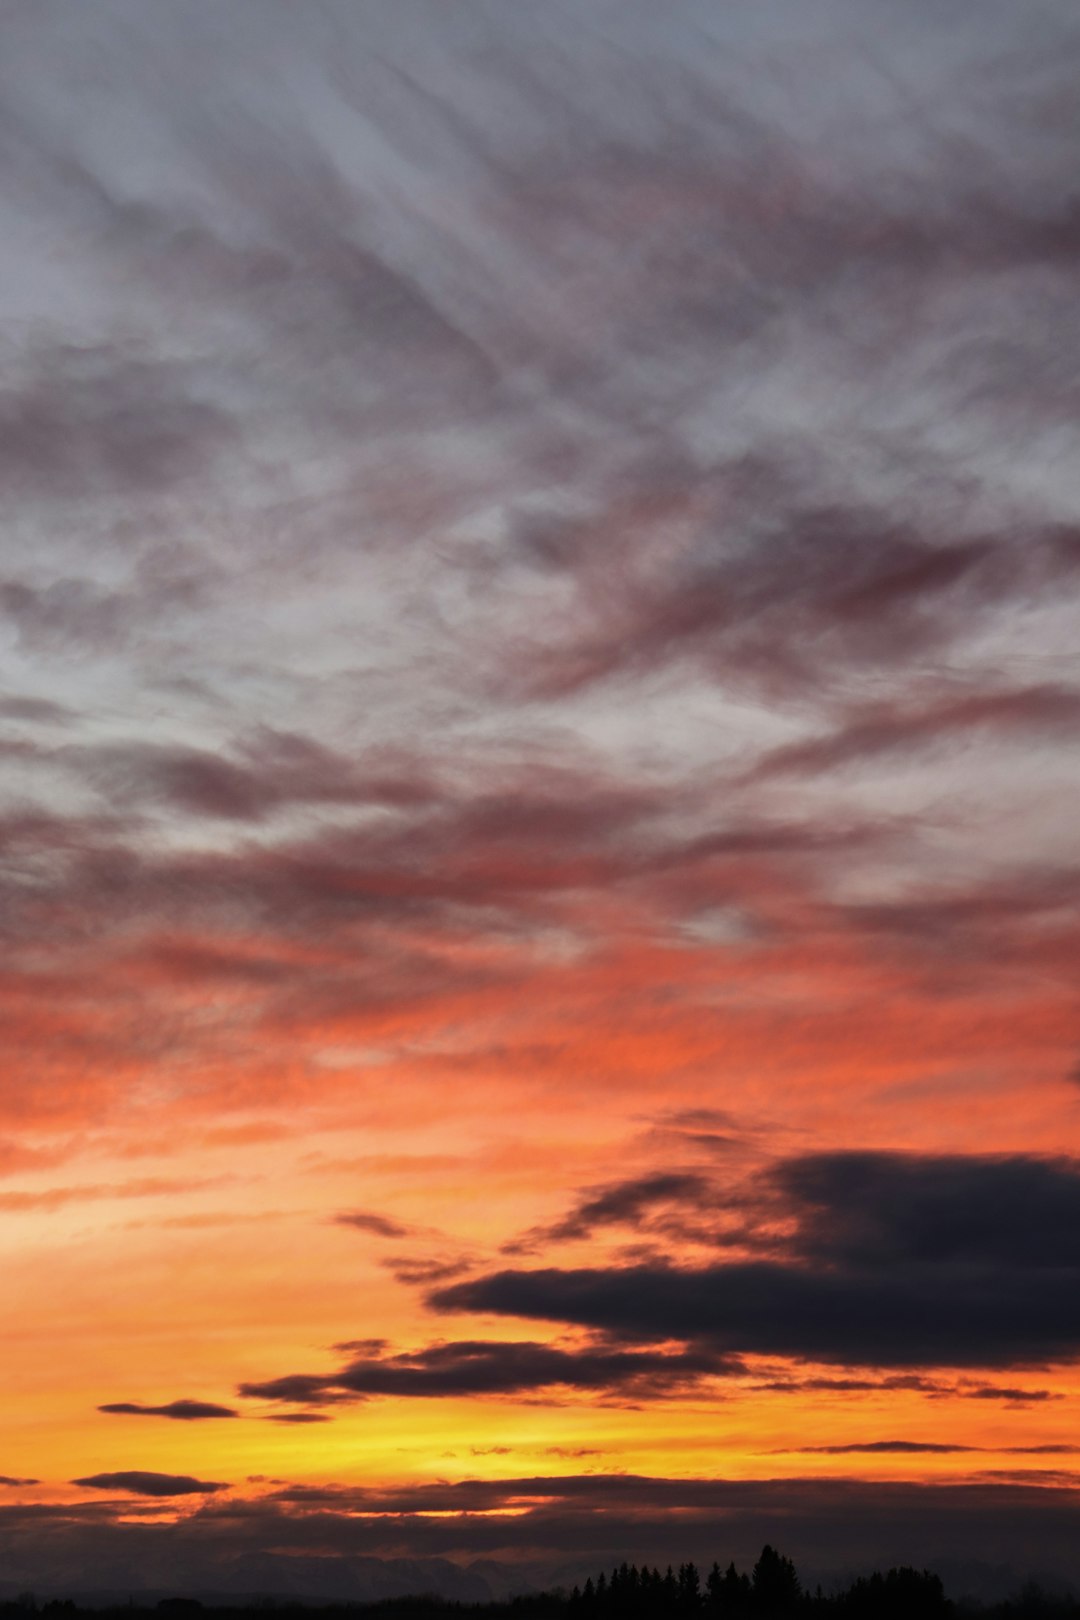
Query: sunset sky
{"type": "Point", "coordinates": [539, 766]}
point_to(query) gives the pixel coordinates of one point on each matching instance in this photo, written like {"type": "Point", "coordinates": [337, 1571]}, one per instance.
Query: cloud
{"type": "Point", "coordinates": [142, 1483]}
{"type": "Point", "coordinates": [1009, 1392]}
{"type": "Point", "coordinates": [496, 1367]}
{"type": "Point", "coordinates": [892, 1259]}
{"type": "Point", "coordinates": [894, 1209]}
{"type": "Point", "coordinates": [314, 1388]}
{"type": "Point", "coordinates": [379, 1225]}
{"type": "Point", "coordinates": [936, 1317]}
{"type": "Point", "coordinates": [183, 1411]}
{"type": "Point", "coordinates": [822, 589]}
{"type": "Point", "coordinates": [144, 1187]}
{"type": "Point", "coordinates": [915, 1447]}
{"type": "Point", "coordinates": [266, 771]}
{"type": "Point", "coordinates": [936, 1388]}
{"type": "Point", "coordinates": [845, 1386]}
{"type": "Point", "coordinates": [624, 1203]}
{"type": "Point", "coordinates": [40, 711]}
{"type": "Point", "coordinates": [998, 919]}
{"type": "Point", "coordinates": [416, 1271]}
{"type": "Point", "coordinates": [564, 1525]}
{"type": "Point", "coordinates": [900, 1447]}
{"type": "Point", "coordinates": [9, 1480]}
{"type": "Point", "coordinates": [107, 418]}
{"type": "Point", "coordinates": [298, 1417]}
{"type": "Point", "coordinates": [873, 732]}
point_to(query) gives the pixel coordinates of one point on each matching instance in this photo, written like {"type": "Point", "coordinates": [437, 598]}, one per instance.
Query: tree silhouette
{"type": "Point", "coordinates": [775, 1583]}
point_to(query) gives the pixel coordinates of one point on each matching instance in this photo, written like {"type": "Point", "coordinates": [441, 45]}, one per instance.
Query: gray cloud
{"type": "Point", "coordinates": [815, 591]}
{"type": "Point", "coordinates": [93, 420]}
{"type": "Point", "coordinates": [1026, 712]}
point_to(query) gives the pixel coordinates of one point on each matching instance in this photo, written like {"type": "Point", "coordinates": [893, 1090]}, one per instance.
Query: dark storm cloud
{"type": "Point", "coordinates": [143, 1483]}
{"type": "Point", "coordinates": [893, 1260]}
{"type": "Point", "coordinates": [485, 1367]}
{"type": "Point", "coordinates": [182, 1411]}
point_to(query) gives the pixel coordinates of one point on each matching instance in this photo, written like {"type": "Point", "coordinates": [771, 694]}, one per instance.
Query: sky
{"type": "Point", "coordinates": [539, 718]}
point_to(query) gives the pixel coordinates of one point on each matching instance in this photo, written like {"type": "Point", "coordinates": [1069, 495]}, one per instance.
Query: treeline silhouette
{"type": "Point", "coordinates": [772, 1590]}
